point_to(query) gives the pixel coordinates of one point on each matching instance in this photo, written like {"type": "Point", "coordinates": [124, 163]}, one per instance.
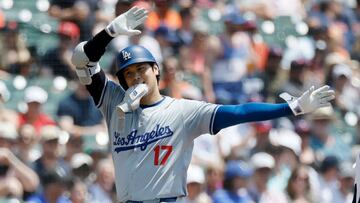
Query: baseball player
{"type": "Point", "coordinates": [152, 135]}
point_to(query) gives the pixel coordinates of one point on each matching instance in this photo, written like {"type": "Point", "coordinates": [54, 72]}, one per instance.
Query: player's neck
{"type": "Point", "coordinates": [151, 98]}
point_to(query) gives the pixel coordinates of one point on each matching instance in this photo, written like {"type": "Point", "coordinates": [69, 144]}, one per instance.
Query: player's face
{"type": "Point", "coordinates": [141, 73]}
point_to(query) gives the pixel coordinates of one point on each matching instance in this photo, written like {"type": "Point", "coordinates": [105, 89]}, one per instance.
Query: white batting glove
{"type": "Point", "coordinates": [132, 98]}
{"type": "Point", "coordinates": [310, 100]}
{"type": "Point", "coordinates": [125, 23]}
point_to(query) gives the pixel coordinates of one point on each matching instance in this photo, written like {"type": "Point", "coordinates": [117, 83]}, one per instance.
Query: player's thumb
{"type": "Point", "coordinates": [133, 32]}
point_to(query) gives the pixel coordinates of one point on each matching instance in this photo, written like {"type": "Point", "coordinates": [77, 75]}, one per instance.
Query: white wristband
{"type": "Point", "coordinates": [293, 103]}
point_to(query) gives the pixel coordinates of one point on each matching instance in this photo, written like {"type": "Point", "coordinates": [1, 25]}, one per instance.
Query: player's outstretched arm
{"type": "Point", "coordinates": [309, 101]}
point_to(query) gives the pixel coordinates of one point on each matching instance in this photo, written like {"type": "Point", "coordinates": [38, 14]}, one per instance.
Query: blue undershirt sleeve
{"type": "Point", "coordinates": [229, 115]}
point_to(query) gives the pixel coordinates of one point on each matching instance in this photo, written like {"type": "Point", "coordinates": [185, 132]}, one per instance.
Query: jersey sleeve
{"type": "Point", "coordinates": [229, 115]}
{"type": "Point", "coordinates": [112, 94]}
{"type": "Point", "coordinates": [198, 116]}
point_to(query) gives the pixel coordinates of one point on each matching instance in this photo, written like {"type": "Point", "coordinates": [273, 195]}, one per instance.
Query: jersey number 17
{"type": "Point", "coordinates": [157, 150]}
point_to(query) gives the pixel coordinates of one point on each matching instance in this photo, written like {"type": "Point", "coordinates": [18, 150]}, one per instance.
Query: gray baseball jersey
{"type": "Point", "coordinates": [152, 152]}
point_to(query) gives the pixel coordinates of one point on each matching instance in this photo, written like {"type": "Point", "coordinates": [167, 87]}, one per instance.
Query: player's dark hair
{"type": "Point", "coordinates": [122, 81]}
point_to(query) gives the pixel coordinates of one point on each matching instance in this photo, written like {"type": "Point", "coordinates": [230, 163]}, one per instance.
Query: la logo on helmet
{"type": "Point", "coordinates": [126, 55]}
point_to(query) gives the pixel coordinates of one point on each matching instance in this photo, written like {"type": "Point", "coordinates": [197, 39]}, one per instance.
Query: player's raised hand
{"type": "Point", "coordinates": [126, 23]}
{"type": "Point", "coordinates": [310, 100]}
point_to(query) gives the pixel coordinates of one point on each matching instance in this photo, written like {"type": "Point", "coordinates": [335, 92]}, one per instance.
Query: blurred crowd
{"type": "Point", "coordinates": [224, 52]}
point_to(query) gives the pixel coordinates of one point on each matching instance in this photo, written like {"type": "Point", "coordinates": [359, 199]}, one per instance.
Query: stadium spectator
{"type": "Point", "coordinates": [195, 186]}
{"type": "Point", "coordinates": [54, 187]}
{"type": "Point", "coordinates": [13, 50]}
{"type": "Point", "coordinates": [328, 187]}
{"type": "Point", "coordinates": [236, 178]}
{"type": "Point", "coordinates": [298, 187]}
{"type": "Point", "coordinates": [82, 167]}
{"type": "Point", "coordinates": [262, 130]}
{"type": "Point", "coordinates": [78, 114]}
{"type": "Point", "coordinates": [35, 97]}
{"type": "Point", "coordinates": [163, 14]}
{"type": "Point", "coordinates": [196, 60]}
{"type": "Point", "coordinates": [83, 13]}
{"type": "Point", "coordinates": [346, 182]}
{"type": "Point", "coordinates": [214, 179]}
{"type": "Point", "coordinates": [26, 144]}
{"type": "Point", "coordinates": [16, 178]}
{"type": "Point", "coordinates": [102, 190]}
{"type": "Point", "coordinates": [56, 62]}
{"type": "Point", "coordinates": [263, 164]}
{"type": "Point", "coordinates": [324, 140]}
{"type": "Point", "coordinates": [50, 159]}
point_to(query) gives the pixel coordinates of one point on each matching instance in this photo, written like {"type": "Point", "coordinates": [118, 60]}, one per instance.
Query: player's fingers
{"type": "Point", "coordinates": [322, 89]}
{"type": "Point", "coordinates": [140, 21]}
{"type": "Point", "coordinates": [140, 11]}
{"type": "Point", "coordinates": [134, 32]}
{"type": "Point", "coordinates": [141, 15]}
{"type": "Point", "coordinates": [327, 104]}
{"type": "Point", "coordinates": [326, 93]}
{"type": "Point", "coordinates": [327, 99]}
{"type": "Point", "coordinates": [133, 10]}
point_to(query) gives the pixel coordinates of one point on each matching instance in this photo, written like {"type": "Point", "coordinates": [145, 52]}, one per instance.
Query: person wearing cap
{"type": "Point", "coordinates": [196, 185]}
{"type": "Point", "coordinates": [325, 139]}
{"type": "Point", "coordinates": [74, 145]}
{"type": "Point", "coordinates": [286, 150]}
{"type": "Point", "coordinates": [236, 181]}
{"type": "Point", "coordinates": [81, 166]}
{"type": "Point", "coordinates": [263, 165]}
{"type": "Point", "coordinates": [35, 97]}
{"type": "Point", "coordinates": [50, 158]}
{"type": "Point", "coordinates": [15, 176]}
{"type": "Point", "coordinates": [152, 135]}
{"type": "Point", "coordinates": [56, 61]}
{"type": "Point", "coordinates": [347, 96]}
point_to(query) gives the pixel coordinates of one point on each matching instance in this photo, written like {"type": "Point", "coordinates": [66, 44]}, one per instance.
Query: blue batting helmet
{"type": "Point", "coordinates": [133, 54]}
